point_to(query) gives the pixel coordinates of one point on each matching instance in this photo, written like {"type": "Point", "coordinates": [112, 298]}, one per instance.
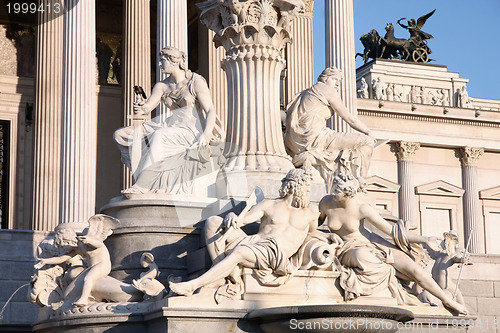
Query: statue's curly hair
{"type": "Point", "coordinates": [329, 72]}
{"type": "Point", "coordinates": [65, 236]}
{"type": "Point", "coordinates": [175, 56]}
{"type": "Point", "coordinates": [346, 183]}
{"type": "Point", "coordinates": [293, 184]}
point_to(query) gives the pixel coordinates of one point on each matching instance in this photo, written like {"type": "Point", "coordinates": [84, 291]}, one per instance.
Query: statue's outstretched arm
{"type": "Point", "coordinates": [401, 24]}
{"type": "Point", "coordinates": [338, 106]}
{"type": "Point", "coordinates": [254, 214]}
{"type": "Point", "coordinates": [152, 101]}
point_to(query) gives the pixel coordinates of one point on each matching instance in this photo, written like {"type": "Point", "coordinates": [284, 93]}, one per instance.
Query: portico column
{"type": "Point", "coordinates": [405, 152]}
{"type": "Point", "coordinates": [171, 30]}
{"type": "Point", "coordinates": [473, 223]}
{"type": "Point", "coordinates": [136, 59]}
{"type": "Point", "coordinates": [339, 49]}
{"type": "Point", "coordinates": [79, 114]}
{"type": "Point", "coordinates": [299, 54]}
{"type": "Point", "coordinates": [47, 120]}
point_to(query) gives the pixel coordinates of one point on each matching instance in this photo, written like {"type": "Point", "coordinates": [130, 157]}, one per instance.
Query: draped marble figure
{"type": "Point", "coordinates": [370, 266]}
{"type": "Point", "coordinates": [311, 143]}
{"type": "Point", "coordinates": [165, 158]}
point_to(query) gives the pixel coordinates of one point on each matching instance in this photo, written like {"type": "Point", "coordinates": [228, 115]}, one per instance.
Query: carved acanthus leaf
{"type": "Point", "coordinates": [470, 155]}
{"type": "Point", "coordinates": [220, 14]}
{"type": "Point", "coordinates": [406, 150]}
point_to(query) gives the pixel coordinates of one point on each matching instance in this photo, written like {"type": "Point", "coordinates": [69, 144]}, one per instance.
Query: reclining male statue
{"type": "Point", "coordinates": [285, 223]}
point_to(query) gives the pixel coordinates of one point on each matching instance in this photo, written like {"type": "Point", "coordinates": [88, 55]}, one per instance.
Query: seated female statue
{"type": "Point", "coordinates": [165, 158]}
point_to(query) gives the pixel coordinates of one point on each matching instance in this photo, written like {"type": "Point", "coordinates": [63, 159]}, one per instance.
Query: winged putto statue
{"type": "Point", "coordinates": [73, 270]}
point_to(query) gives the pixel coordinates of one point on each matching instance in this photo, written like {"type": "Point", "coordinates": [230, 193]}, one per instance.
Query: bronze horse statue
{"type": "Point", "coordinates": [372, 43]}
{"type": "Point", "coordinates": [398, 48]}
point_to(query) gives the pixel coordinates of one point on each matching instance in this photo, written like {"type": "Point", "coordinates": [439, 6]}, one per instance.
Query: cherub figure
{"type": "Point", "coordinates": [90, 246]}
{"type": "Point", "coordinates": [443, 268]}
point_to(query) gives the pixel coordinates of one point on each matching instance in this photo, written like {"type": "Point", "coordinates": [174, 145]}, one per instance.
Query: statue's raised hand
{"type": "Point", "coordinates": [140, 110]}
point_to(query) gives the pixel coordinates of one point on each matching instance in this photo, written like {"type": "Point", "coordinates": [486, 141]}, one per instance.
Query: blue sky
{"type": "Point", "coordinates": [466, 35]}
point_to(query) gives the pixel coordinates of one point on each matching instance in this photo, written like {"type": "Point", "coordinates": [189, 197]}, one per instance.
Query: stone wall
{"type": "Point", "coordinates": [16, 267]}
{"type": "Point", "coordinates": [481, 289]}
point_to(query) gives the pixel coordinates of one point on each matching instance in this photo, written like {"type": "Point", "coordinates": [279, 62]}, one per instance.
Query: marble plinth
{"type": "Point", "coordinates": [166, 226]}
{"type": "Point", "coordinates": [239, 184]}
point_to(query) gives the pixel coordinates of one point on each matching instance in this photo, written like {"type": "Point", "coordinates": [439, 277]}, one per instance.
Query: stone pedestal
{"type": "Point", "coordinates": [167, 226]}
{"type": "Point", "coordinates": [340, 318]}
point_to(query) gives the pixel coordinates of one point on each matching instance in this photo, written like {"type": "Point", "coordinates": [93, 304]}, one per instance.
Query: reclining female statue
{"type": "Point", "coordinates": [370, 266]}
{"type": "Point", "coordinates": [173, 153]}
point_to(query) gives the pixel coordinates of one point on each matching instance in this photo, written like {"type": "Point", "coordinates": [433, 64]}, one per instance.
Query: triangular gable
{"type": "Point", "coordinates": [490, 194]}
{"type": "Point", "coordinates": [379, 184]}
{"type": "Point", "coordinates": [440, 188]}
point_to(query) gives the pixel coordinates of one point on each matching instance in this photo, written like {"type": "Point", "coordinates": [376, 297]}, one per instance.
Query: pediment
{"type": "Point", "coordinates": [379, 184]}
{"type": "Point", "coordinates": [439, 188]}
{"type": "Point", "coordinates": [490, 194]}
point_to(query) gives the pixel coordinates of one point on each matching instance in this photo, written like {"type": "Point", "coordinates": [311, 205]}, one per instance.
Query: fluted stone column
{"type": "Point", "coordinates": [136, 59]}
{"type": "Point", "coordinates": [171, 30]}
{"type": "Point", "coordinates": [299, 54]}
{"type": "Point", "coordinates": [405, 152]}
{"type": "Point", "coordinates": [339, 48]}
{"type": "Point", "coordinates": [217, 80]}
{"type": "Point", "coordinates": [47, 120]}
{"type": "Point", "coordinates": [472, 209]}
{"type": "Point", "coordinates": [253, 64]}
{"type": "Point", "coordinates": [79, 115]}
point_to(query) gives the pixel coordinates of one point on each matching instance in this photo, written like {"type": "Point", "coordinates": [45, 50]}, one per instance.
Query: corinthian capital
{"type": "Point", "coordinates": [470, 156]}
{"type": "Point", "coordinates": [309, 5]}
{"type": "Point", "coordinates": [220, 14]}
{"type": "Point", "coordinates": [406, 150]}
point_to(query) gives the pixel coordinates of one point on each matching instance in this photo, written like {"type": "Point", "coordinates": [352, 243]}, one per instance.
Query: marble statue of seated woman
{"type": "Point", "coordinates": [165, 158]}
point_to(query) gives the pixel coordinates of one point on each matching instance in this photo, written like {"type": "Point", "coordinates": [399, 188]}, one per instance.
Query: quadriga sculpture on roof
{"type": "Point", "coordinates": [413, 49]}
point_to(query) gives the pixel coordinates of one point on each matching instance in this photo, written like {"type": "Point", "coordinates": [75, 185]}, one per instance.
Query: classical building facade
{"type": "Point", "coordinates": [66, 84]}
